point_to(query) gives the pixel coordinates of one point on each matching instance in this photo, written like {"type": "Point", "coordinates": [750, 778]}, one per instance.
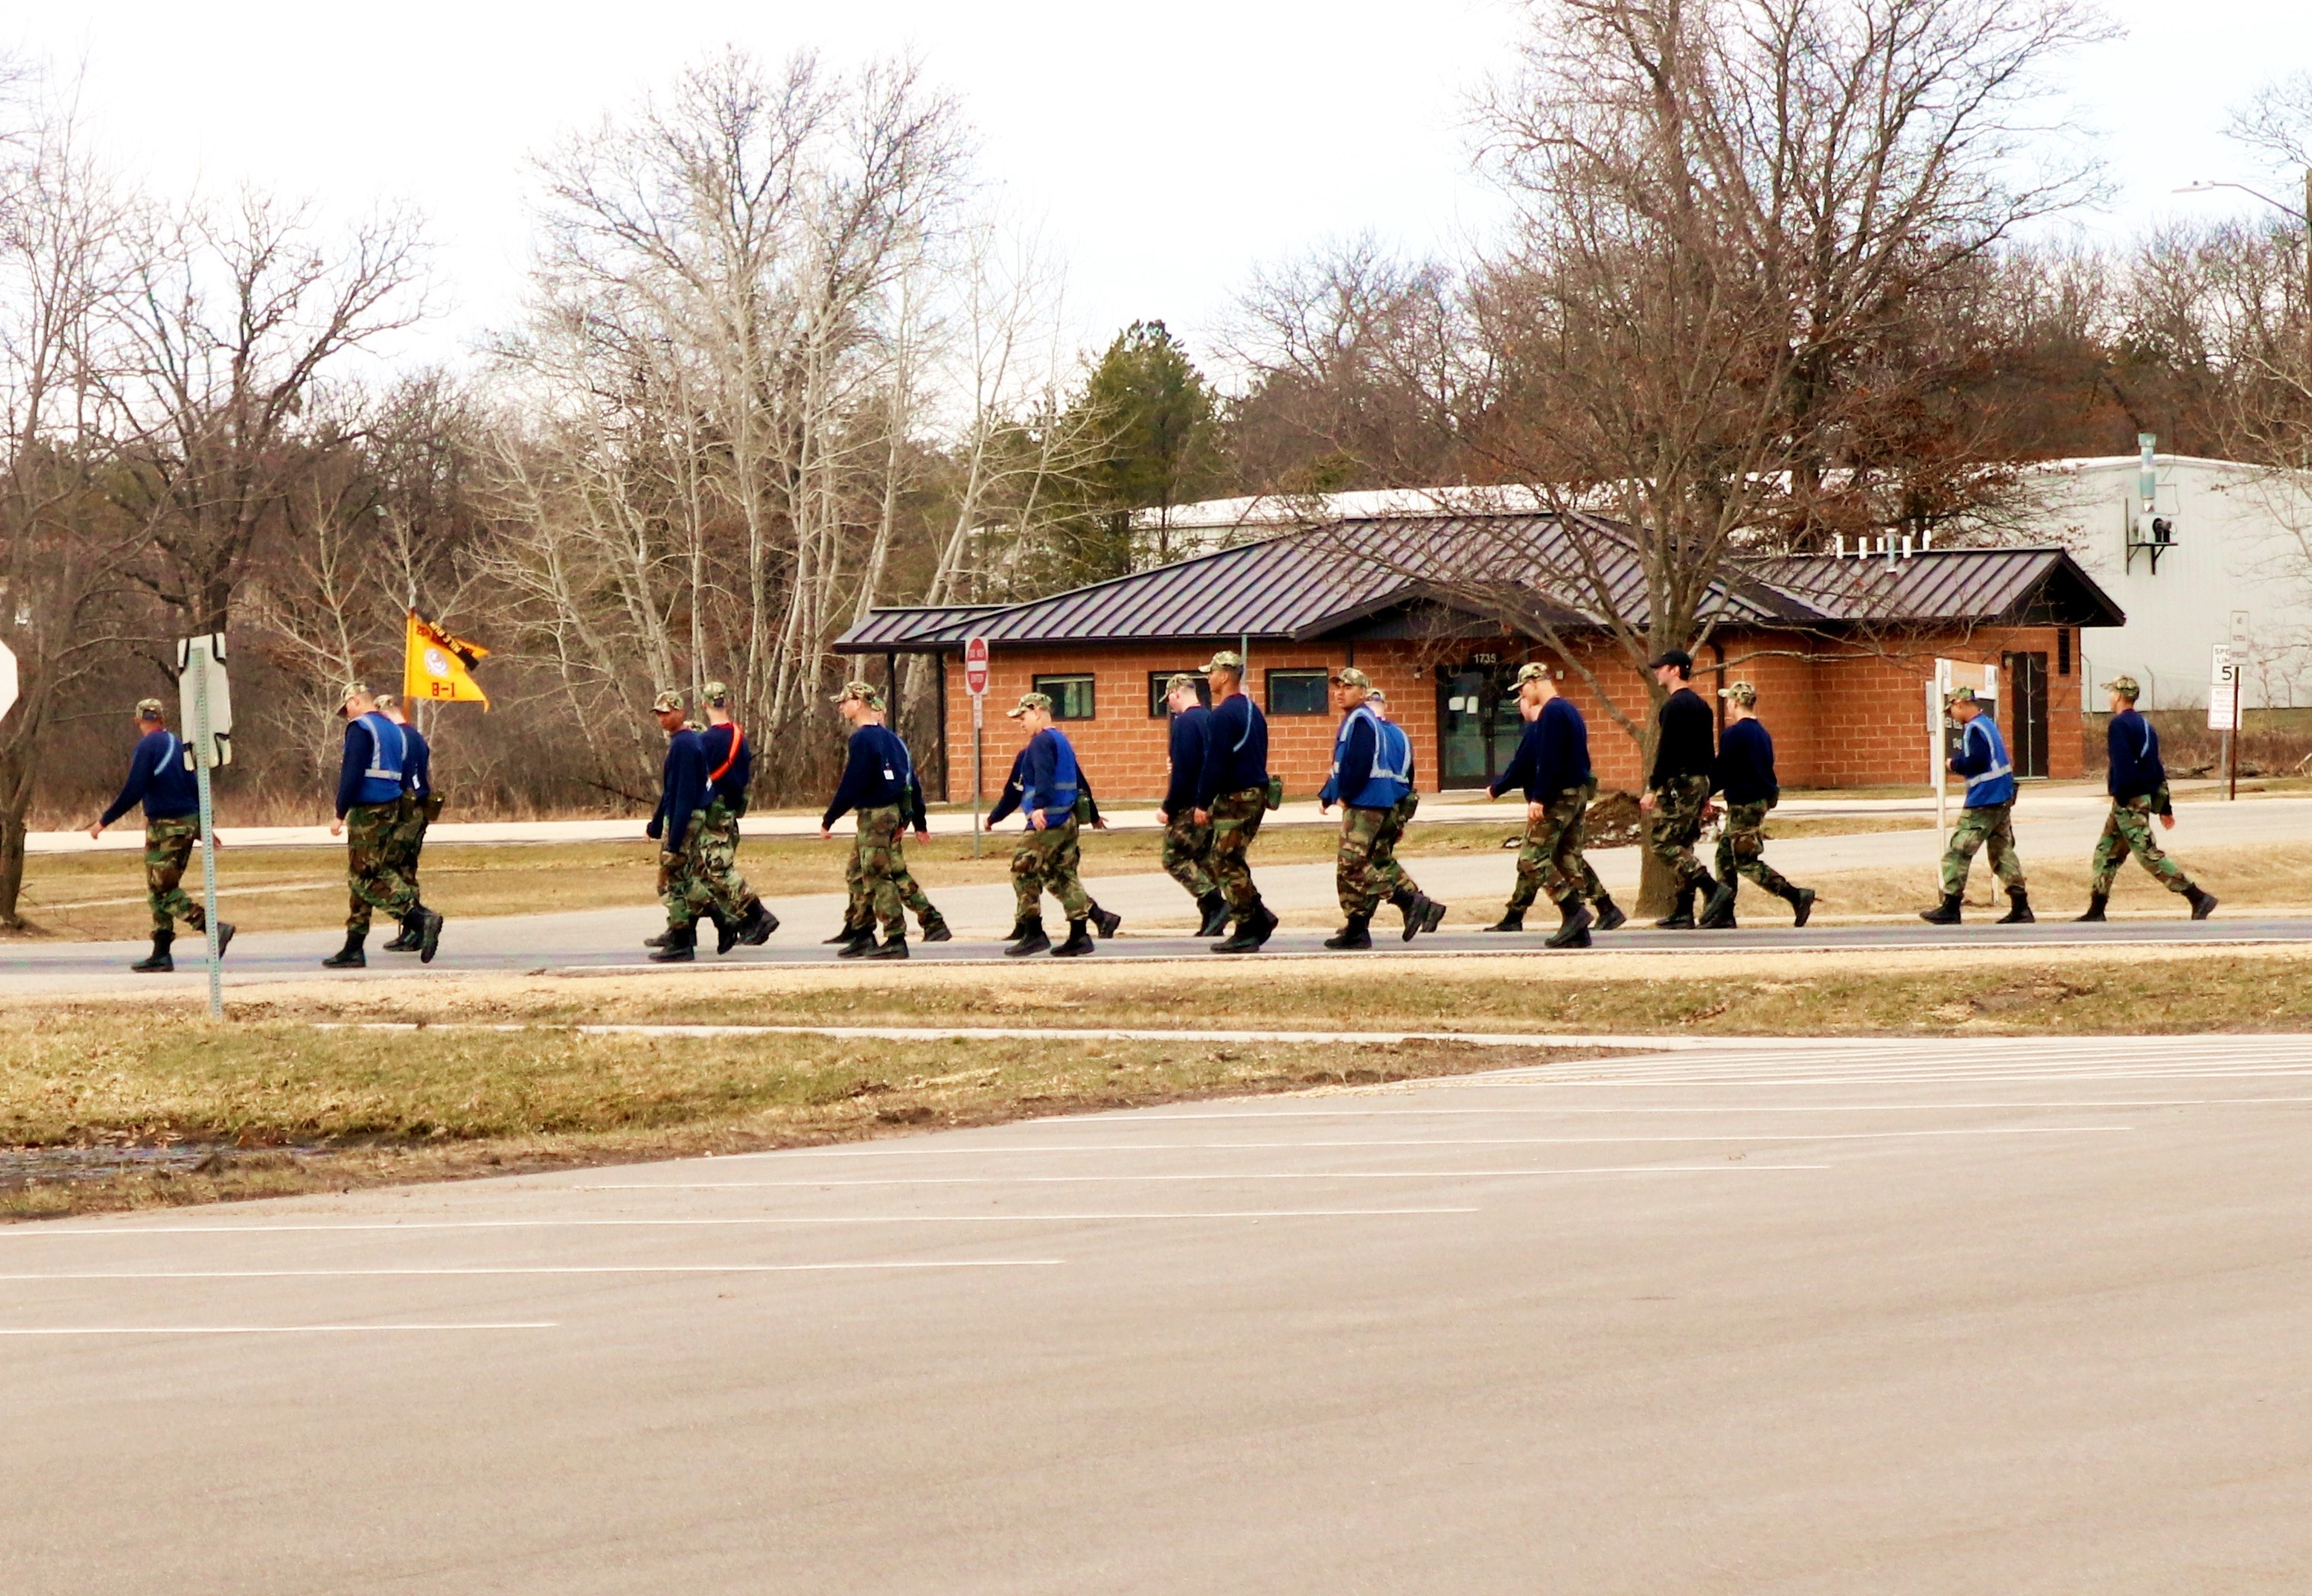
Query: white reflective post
{"type": "Point", "coordinates": [201, 749]}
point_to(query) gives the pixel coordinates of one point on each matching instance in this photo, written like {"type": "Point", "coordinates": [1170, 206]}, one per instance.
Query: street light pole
{"type": "Point", "coordinates": [2305, 216]}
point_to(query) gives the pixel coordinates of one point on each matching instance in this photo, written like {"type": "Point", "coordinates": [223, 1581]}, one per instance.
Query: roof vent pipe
{"type": "Point", "coordinates": [1838, 550]}
{"type": "Point", "coordinates": [1906, 546]}
{"type": "Point", "coordinates": [1926, 541]}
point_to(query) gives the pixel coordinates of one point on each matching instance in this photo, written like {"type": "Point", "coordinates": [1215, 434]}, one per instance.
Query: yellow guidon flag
{"type": "Point", "coordinates": [438, 667]}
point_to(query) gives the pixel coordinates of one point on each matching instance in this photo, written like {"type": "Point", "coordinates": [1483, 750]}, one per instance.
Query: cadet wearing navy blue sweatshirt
{"type": "Point", "coordinates": [420, 806]}
{"type": "Point", "coordinates": [877, 777]}
{"type": "Point", "coordinates": [1551, 766]}
{"type": "Point", "coordinates": [737, 914]}
{"type": "Point", "coordinates": [161, 779]}
{"type": "Point", "coordinates": [1744, 776]}
{"type": "Point", "coordinates": [1048, 788]}
{"type": "Point", "coordinates": [679, 827]}
{"type": "Point", "coordinates": [1989, 817]}
{"type": "Point", "coordinates": [370, 780]}
{"type": "Point", "coordinates": [2137, 785]}
{"type": "Point", "coordinates": [1370, 780]}
{"type": "Point", "coordinates": [1189, 842]}
{"type": "Point", "coordinates": [1232, 796]}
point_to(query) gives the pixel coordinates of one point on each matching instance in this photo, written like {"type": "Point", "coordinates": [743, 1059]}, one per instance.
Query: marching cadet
{"type": "Point", "coordinates": [1378, 702]}
{"type": "Point", "coordinates": [739, 916]}
{"type": "Point", "coordinates": [1371, 776]}
{"type": "Point", "coordinates": [1988, 818]}
{"type": "Point", "coordinates": [1047, 858]}
{"type": "Point", "coordinates": [679, 827]}
{"type": "Point", "coordinates": [1188, 845]}
{"type": "Point", "coordinates": [420, 806]}
{"type": "Point", "coordinates": [370, 781]}
{"type": "Point", "coordinates": [1233, 791]}
{"type": "Point", "coordinates": [858, 907]}
{"type": "Point", "coordinates": [1677, 790]}
{"type": "Point", "coordinates": [161, 779]}
{"type": "Point", "coordinates": [1551, 765]}
{"type": "Point", "coordinates": [877, 774]}
{"type": "Point", "coordinates": [2137, 785]}
{"type": "Point", "coordinates": [1745, 774]}
{"type": "Point", "coordinates": [1029, 922]}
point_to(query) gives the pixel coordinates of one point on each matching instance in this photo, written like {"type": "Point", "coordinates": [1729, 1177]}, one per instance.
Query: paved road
{"type": "Point", "coordinates": [1896, 1315]}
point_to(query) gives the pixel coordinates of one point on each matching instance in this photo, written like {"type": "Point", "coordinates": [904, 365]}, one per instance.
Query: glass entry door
{"type": "Point", "coordinates": [2027, 709]}
{"type": "Point", "coordinates": [1478, 723]}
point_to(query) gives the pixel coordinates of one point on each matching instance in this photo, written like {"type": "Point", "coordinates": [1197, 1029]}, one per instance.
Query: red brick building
{"type": "Point", "coordinates": [1841, 651]}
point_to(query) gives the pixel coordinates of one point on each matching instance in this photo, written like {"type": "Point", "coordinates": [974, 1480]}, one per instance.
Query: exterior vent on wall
{"type": "Point", "coordinates": [2148, 532]}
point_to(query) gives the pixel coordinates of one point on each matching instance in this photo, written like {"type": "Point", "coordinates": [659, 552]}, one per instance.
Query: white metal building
{"type": "Point", "coordinates": [2222, 554]}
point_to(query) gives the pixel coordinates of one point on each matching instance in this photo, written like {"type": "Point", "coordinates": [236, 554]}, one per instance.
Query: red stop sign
{"type": "Point", "coordinates": [974, 666]}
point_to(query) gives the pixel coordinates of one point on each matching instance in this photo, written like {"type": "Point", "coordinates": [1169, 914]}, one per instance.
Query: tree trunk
{"type": "Point", "coordinates": [11, 858]}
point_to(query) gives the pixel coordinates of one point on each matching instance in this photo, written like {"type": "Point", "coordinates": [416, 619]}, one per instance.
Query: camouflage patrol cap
{"type": "Point", "coordinates": [668, 702]}
{"type": "Point", "coordinates": [1740, 692]}
{"type": "Point", "coordinates": [149, 709]}
{"type": "Point", "coordinates": [352, 690]}
{"type": "Point", "coordinates": [1349, 676]}
{"type": "Point", "coordinates": [866, 692]}
{"type": "Point", "coordinates": [1959, 694]}
{"type": "Point", "coordinates": [716, 693]}
{"type": "Point", "coordinates": [1028, 701]}
{"type": "Point", "coordinates": [1227, 659]}
{"type": "Point", "coordinates": [2127, 687]}
{"type": "Point", "coordinates": [1534, 671]}
{"type": "Point", "coordinates": [1180, 681]}
{"type": "Point", "coordinates": [1376, 697]}
{"type": "Point", "coordinates": [387, 701]}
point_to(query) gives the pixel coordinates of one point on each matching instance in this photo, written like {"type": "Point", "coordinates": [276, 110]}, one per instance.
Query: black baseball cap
{"type": "Point", "coordinates": [1672, 656]}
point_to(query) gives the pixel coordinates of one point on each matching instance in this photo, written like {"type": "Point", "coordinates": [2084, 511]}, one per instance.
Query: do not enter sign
{"type": "Point", "coordinates": [974, 666]}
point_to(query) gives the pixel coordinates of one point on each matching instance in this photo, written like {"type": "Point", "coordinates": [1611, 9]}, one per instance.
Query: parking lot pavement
{"type": "Point", "coordinates": [1891, 1315]}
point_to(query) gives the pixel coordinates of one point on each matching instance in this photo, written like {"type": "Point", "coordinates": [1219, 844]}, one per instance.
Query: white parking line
{"type": "Point", "coordinates": [1397, 1108]}
{"type": "Point", "coordinates": [1130, 1146]}
{"type": "Point", "coordinates": [492, 1270]}
{"type": "Point", "coordinates": [43, 1233]}
{"type": "Point", "coordinates": [1665, 1169]}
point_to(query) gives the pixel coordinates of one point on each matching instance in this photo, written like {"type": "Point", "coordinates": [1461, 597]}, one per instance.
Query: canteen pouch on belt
{"type": "Point", "coordinates": [1277, 792]}
{"type": "Point", "coordinates": [1083, 808]}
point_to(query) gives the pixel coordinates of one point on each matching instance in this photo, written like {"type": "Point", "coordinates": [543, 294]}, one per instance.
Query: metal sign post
{"type": "Point", "coordinates": [1948, 674]}
{"type": "Point", "coordinates": [201, 679]}
{"type": "Point", "coordinates": [975, 682]}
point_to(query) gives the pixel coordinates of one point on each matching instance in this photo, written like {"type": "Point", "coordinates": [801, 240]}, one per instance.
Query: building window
{"type": "Point", "coordinates": [1158, 710]}
{"type": "Point", "coordinates": [1071, 696]}
{"type": "Point", "coordinates": [2062, 651]}
{"type": "Point", "coordinates": [1298, 692]}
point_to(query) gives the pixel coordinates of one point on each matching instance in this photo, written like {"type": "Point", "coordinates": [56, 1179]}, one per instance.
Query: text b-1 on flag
{"type": "Point", "coordinates": [439, 666]}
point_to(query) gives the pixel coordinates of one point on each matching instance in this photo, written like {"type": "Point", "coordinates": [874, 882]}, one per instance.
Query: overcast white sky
{"type": "Point", "coordinates": [1167, 149]}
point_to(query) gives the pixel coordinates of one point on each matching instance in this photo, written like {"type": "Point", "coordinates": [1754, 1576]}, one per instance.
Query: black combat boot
{"type": "Point", "coordinates": [1801, 902]}
{"type": "Point", "coordinates": [1030, 939]}
{"type": "Point", "coordinates": [1105, 923]}
{"type": "Point", "coordinates": [1357, 932]}
{"type": "Point", "coordinates": [1609, 914]}
{"type": "Point", "coordinates": [1432, 914]}
{"type": "Point", "coordinates": [1079, 942]}
{"type": "Point", "coordinates": [429, 934]}
{"type": "Point", "coordinates": [862, 946]}
{"type": "Point", "coordinates": [1265, 926]}
{"type": "Point", "coordinates": [1718, 914]}
{"type": "Point", "coordinates": [1945, 913]}
{"type": "Point", "coordinates": [350, 956]}
{"type": "Point", "coordinates": [2204, 904]}
{"type": "Point", "coordinates": [894, 947]}
{"type": "Point", "coordinates": [935, 931]}
{"type": "Point", "coordinates": [1681, 912]}
{"type": "Point", "coordinates": [226, 930]}
{"type": "Point", "coordinates": [1512, 919]}
{"type": "Point", "coordinates": [2097, 903]}
{"type": "Point", "coordinates": [726, 932]}
{"type": "Point", "coordinates": [1573, 931]}
{"type": "Point", "coordinates": [849, 932]}
{"type": "Point", "coordinates": [660, 940]}
{"type": "Point", "coordinates": [158, 962]}
{"type": "Point", "coordinates": [406, 941]}
{"type": "Point", "coordinates": [681, 946]}
{"type": "Point", "coordinates": [1252, 929]}
{"type": "Point", "coordinates": [1408, 903]}
{"type": "Point", "coordinates": [1215, 912]}
{"type": "Point", "coordinates": [2018, 908]}
{"type": "Point", "coordinates": [760, 925]}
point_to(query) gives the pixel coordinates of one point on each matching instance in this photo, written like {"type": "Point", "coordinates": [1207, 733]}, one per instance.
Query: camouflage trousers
{"type": "Point", "coordinates": [879, 862]}
{"type": "Point", "coordinates": [373, 877]}
{"type": "Point", "coordinates": [1046, 861]}
{"type": "Point", "coordinates": [859, 913]}
{"type": "Point", "coordinates": [1742, 844]}
{"type": "Point", "coordinates": [167, 845]}
{"type": "Point", "coordinates": [409, 831]}
{"type": "Point", "coordinates": [1186, 848]}
{"type": "Point", "coordinates": [1366, 874]}
{"type": "Point", "coordinates": [2127, 829]}
{"type": "Point", "coordinates": [1236, 822]}
{"type": "Point", "coordinates": [1550, 860]}
{"type": "Point", "coordinates": [698, 877]}
{"type": "Point", "coordinates": [1992, 824]}
{"type": "Point", "coordinates": [1676, 826]}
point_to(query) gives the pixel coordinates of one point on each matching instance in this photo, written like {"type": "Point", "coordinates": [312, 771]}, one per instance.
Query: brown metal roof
{"type": "Point", "coordinates": [1331, 580]}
